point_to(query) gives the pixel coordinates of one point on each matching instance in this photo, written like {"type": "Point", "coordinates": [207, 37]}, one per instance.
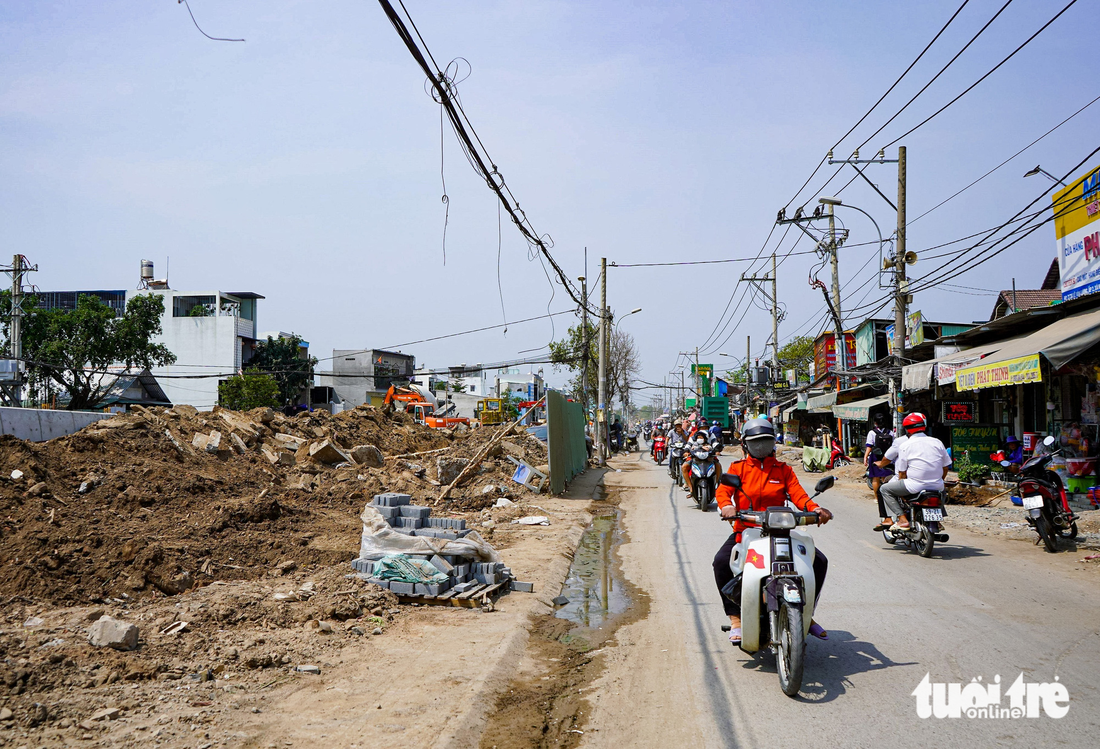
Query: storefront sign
{"type": "Point", "coordinates": [825, 352]}
{"type": "Point", "coordinates": [1011, 372]}
{"type": "Point", "coordinates": [1077, 232]}
{"type": "Point", "coordinates": [979, 441]}
{"type": "Point", "coordinates": [959, 412]}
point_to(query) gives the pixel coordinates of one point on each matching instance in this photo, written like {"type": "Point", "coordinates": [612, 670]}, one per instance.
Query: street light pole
{"type": "Point", "coordinates": [601, 398]}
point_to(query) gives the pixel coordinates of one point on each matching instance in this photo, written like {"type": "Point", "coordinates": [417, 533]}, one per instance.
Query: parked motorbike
{"type": "Point", "coordinates": [704, 472]}
{"type": "Point", "coordinates": [675, 460]}
{"type": "Point", "coordinates": [632, 441]}
{"type": "Point", "coordinates": [1044, 498]}
{"type": "Point", "coordinates": [658, 448]}
{"type": "Point", "coordinates": [774, 579]}
{"type": "Point", "coordinates": [925, 512]}
{"type": "Point", "coordinates": [838, 457]}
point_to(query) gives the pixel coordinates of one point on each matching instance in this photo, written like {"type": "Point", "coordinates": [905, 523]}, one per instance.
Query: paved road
{"type": "Point", "coordinates": [980, 607]}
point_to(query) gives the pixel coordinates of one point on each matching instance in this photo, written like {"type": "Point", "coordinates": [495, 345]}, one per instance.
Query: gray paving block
{"type": "Point", "coordinates": [442, 564]}
{"type": "Point", "coordinates": [391, 499]}
{"type": "Point", "coordinates": [462, 569]}
{"type": "Point", "coordinates": [463, 587]}
{"type": "Point", "coordinates": [487, 578]}
{"type": "Point", "coordinates": [405, 531]}
{"type": "Point", "coordinates": [379, 581]}
{"type": "Point", "coordinates": [402, 589]}
{"type": "Point", "coordinates": [388, 512]}
{"type": "Point", "coordinates": [362, 565]}
{"type": "Point", "coordinates": [409, 522]}
{"type": "Point", "coordinates": [415, 511]}
{"type": "Point", "coordinates": [519, 587]}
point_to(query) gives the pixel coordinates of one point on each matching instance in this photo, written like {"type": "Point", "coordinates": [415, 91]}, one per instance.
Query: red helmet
{"type": "Point", "coordinates": [914, 422]}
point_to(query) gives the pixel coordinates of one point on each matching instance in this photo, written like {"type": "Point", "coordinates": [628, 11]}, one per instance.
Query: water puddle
{"type": "Point", "coordinates": [594, 585]}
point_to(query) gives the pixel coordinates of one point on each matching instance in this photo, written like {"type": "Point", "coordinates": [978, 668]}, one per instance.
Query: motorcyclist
{"type": "Point", "coordinates": [765, 482]}
{"type": "Point", "coordinates": [716, 432]}
{"type": "Point", "coordinates": [701, 435]}
{"type": "Point", "coordinates": [921, 465]}
{"type": "Point", "coordinates": [615, 435]}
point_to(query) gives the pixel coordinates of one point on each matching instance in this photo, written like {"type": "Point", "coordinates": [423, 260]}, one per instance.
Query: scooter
{"type": "Point", "coordinates": [925, 513]}
{"type": "Point", "coordinates": [632, 441]}
{"type": "Point", "coordinates": [659, 449]}
{"type": "Point", "coordinates": [774, 578]}
{"type": "Point", "coordinates": [675, 460]}
{"type": "Point", "coordinates": [1044, 498]}
{"type": "Point", "coordinates": [704, 473]}
{"type": "Point", "coordinates": [837, 457]}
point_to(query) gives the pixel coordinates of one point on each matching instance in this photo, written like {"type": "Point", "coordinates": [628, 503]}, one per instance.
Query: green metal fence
{"type": "Point", "coordinates": [565, 438]}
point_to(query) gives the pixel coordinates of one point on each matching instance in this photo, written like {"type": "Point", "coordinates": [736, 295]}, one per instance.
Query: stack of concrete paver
{"type": "Point", "coordinates": [463, 573]}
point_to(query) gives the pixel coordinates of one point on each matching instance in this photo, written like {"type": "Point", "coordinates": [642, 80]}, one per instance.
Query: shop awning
{"type": "Point", "coordinates": [920, 376]}
{"type": "Point", "coordinates": [859, 410]}
{"type": "Point", "coordinates": [821, 404]}
{"type": "Point", "coordinates": [1017, 361]}
{"type": "Point", "coordinates": [787, 412]}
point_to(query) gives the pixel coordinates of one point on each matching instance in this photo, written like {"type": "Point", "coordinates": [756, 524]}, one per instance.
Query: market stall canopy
{"type": "Point", "coordinates": [919, 376]}
{"type": "Point", "coordinates": [1017, 360]}
{"type": "Point", "coordinates": [859, 410]}
{"type": "Point", "coordinates": [821, 404]}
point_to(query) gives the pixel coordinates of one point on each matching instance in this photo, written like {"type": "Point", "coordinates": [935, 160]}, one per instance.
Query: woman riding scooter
{"type": "Point", "coordinates": [765, 482]}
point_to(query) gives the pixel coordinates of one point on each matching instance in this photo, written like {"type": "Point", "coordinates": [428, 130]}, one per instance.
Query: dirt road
{"type": "Point", "coordinates": [981, 607]}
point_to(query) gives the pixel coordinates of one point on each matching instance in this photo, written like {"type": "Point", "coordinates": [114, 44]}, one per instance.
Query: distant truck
{"type": "Point", "coordinates": [716, 410]}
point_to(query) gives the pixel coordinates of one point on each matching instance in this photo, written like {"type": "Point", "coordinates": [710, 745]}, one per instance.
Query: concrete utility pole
{"type": "Point", "coordinates": [748, 377]}
{"type": "Point", "coordinates": [901, 291]}
{"type": "Point", "coordinates": [18, 269]}
{"type": "Point", "coordinates": [775, 312]}
{"type": "Point", "coordinates": [841, 359]}
{"type": "Point", "coordinates": [584, 343]}
{"type": "Point", "coordinates": [601, 397]}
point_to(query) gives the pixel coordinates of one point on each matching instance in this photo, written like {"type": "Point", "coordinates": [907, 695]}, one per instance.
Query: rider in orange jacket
{"type": "Point", "coordinates": [765, 482]}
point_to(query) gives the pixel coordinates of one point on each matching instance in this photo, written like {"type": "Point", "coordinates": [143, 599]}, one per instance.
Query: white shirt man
{"type": "Point", "coordinates": [923, 459]}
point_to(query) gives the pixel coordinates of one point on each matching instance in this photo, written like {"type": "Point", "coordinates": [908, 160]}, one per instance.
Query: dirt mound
{"type": "Point", "coordinates": [158, 501]}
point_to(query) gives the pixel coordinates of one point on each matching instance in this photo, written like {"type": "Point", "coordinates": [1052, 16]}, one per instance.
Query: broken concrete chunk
{"type": "Point", "coordinates": [278, 457]}
{"type": "Point", "coordinates": [5, 714]}
{"type": "Point", "coordinates": [447, 469]}
{"type": "Point", "coordinates": [213, 442]}
{"type": "Point", "coordinates": [289, 441]}
{"type": "Point", "coordinates": [327, 452]}
{"type": "Point", "coordinates": [200, 441]}
{"type": "Point", "coordinates": [238, 444]}
{"type": "Point", "coordinates": [107, 713]}
{"type": "Point", "coordinates": [560, 601]}
{"type": "Point", "coordinates": [286, 567]}
{"type": "Point", "coordinates": [113, 633]}
{"type": "Point", "coordinates": [307, 668]}
{"type": "Point", "coordinates": [367, 455]}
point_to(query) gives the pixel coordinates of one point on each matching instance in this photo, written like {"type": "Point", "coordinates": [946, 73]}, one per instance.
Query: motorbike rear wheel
{"type": "Point", "coordinates": [1042, 525]}
{"type": "Point", "coordinates": [924, 543]}
{"type": "Point", "coordinates": [836, 463]}
{"type": "Point", "coordinates": [790, 649]}
{"type": "Point", "coordinates": [1069, 533]}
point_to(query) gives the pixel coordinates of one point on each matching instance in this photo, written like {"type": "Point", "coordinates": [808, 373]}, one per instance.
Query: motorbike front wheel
{"type": "Point", "coordinates": [703, 489]}
{"type": "Point", "coordinates": [1042, 525]}
{"type": "Point", "coordinates": [790, 650]}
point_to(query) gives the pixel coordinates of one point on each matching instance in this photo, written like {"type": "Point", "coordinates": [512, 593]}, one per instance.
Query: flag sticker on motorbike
{"type": "Point", "coordinates": [754, 558]}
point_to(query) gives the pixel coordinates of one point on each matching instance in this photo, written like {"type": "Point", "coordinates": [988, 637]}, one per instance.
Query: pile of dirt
{"type": "Point", "coordinates": [160, 501]}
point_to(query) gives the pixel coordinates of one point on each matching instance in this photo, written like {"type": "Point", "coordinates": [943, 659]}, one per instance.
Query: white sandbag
{"type": "Point", "coordinates": [379, 537]}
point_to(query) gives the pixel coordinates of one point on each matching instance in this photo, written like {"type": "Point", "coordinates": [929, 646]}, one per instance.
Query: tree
{"type": "Point", "coordinates": [73, 349]}
{"type": "Point", "coordinates": [623, 362]}
{"type": "Point", "coordinates": [244, 392]}
{"type": "Point", "coordinates": [797, 354]}
{"type": "Point", "coordinates": [281, 358]}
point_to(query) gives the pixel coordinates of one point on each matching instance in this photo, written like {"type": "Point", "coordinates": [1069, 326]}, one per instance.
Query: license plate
{"type": "Point", "coordinates": [932, 514]}
{"type": "Point", "coordinates": [1032, 503]}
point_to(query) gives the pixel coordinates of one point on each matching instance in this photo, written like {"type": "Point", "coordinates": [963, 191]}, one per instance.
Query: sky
{"type": "Point", "coordinates": [305, 163]}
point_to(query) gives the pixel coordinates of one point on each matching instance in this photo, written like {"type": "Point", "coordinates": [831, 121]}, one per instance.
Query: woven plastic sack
{"type": "Point", "coordinates": [380, 538]}
{"type": "Point", "coordinates": [403, 569]}
{"type": "Point", "coordinates": [815, 459]}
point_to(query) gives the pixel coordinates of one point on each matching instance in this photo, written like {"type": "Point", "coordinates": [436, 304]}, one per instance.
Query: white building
{"type": "Point", "coordinates": [212, 334]}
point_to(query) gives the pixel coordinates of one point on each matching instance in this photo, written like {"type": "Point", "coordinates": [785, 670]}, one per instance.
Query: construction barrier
{"type": "Point", "coordinates": [565, 440]}
{"type": "Point", "coordinates": [39, 424]}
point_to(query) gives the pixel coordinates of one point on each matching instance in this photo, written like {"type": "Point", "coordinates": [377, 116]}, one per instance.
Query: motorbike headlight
{"type": "Point", "coordinates": [700, 454]}
{"type": "Point", "coordinates": [780, 519]}
{"type": "Point", "coordinates": [710, 469]}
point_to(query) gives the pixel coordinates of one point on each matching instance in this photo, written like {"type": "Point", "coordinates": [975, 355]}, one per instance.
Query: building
{"type": "Point", "coordinates": [1014, 300]}
{"type": "Point", "coordinates": [362, 376]}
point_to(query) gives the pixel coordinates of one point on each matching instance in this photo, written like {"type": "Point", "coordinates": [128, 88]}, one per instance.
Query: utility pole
{"type": "Point", "coordinates": [775, 312]}
{"type": "Point", "coordinates": [584, 354]}
{"type": "Point", "coordinates": [748, 377]}
{"type": "Point", "coordinates": [901, 292]}
{"type": "Point", "coordinates": [601, 397]}
{"type": "Point", "coordinates": [19, 268]}
{"type": "Point", "coordinates": [839, 344]}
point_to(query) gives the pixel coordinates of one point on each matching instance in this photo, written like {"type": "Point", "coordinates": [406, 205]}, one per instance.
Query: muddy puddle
{"type": "Point", "coordinates": [594, 586]}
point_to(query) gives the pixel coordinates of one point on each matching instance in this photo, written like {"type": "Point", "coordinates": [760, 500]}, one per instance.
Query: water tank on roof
{"type": "Point", "coordinates": [146, 270]}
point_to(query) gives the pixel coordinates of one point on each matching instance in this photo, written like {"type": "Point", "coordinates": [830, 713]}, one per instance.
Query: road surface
{"type": "Point", "coordinates": [981, 607]}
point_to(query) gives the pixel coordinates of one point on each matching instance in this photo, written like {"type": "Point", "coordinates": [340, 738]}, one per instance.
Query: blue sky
{"type": "Point", "coordinates": [304, 164]}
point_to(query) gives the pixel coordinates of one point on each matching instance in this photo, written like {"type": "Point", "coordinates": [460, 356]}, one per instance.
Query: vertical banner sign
{"type": "Point", "coordinates": [1077, 230]}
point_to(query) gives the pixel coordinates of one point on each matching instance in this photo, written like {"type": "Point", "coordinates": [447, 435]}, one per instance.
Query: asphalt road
{"type": "Point", "coordinates": [980, 607]}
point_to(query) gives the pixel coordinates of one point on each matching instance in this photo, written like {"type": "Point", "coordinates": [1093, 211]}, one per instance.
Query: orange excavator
{"type": "Point", "coordinates": [423, 411]}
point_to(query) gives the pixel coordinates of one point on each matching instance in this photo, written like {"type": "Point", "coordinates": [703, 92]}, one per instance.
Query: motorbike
{"type": "Point", "coordinates": [774, 579]}
{"type": "Point", "coordinates": [704, 472]}
{"type": "Point", "coordinates": [925, 512]}
{"type": "Point", "coordinates": [837, 457]}
{"type": "Point", "coordinates": [1044, 498]}
{"type": "Point", "coordinates": [632, 441]}
{"type": "Point", "coordinates": [647, 434]}
{"type": "Point", "coordinates": [658, 449]}
{"type": "Point", "coordinates": [675, 460]}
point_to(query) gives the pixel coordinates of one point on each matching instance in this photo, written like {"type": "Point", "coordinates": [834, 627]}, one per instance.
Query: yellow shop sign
{"type": "Point", "coordinates": [1010, 372]}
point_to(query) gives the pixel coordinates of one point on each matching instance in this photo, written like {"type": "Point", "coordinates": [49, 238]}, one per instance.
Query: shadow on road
{"type": "Point", "coordinates": [829, 665]}
{"type": "Point", "coordinates": [942, 551]}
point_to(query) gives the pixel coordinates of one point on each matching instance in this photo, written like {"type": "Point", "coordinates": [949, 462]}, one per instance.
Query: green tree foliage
{"type": "Point", "coordinates": [71, 350]}
{"type": "Point", "coordinates": [623, 362]}
{"type": "Point", "coordinates": [248, 391]}
{"type": "Point", "coordinates": [281, 359]}
{"type": "Point", "coordinates": [797, 354]}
